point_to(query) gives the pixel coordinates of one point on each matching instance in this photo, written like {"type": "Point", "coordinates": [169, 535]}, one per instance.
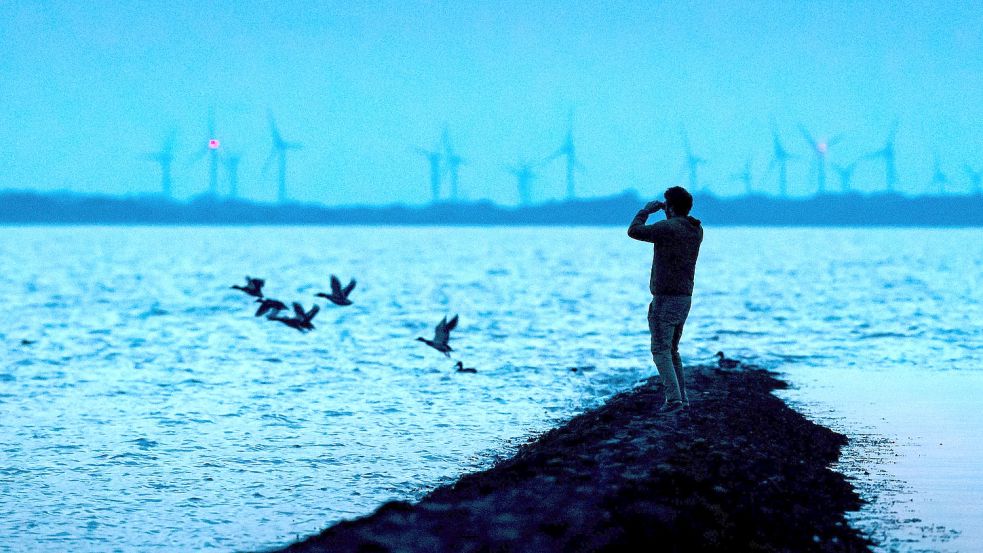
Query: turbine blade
{"type": "Point", "coordinates": [892, 132]}
{"type": "Point", "coordinates": [269, 161]}
{"type": "Point", "coordinates": [198, 156]}
{"type": "Point", "coordinates": [274, 131]}
{"type": "Point", "coordinates": [808, 137]}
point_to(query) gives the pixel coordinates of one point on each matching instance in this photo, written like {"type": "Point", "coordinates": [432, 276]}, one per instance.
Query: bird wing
{"type": "Point", "coordinates": [263, 308]}
{"type": "Point", "coordinates": [299, 311]}
{"type": "Point", "coordinates": [452, 324]}
{"type": "Point", "coordinates": [440, 333]}
{"type": "Point", "coordinates": [348, 289]}
{"type": "Point", "coordinates": [335, 285]}
{"type": "Point", "coordinates": [310, 314]}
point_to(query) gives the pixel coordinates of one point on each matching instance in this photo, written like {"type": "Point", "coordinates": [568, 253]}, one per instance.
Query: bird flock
{"type": "Point", "coordinates": [301, 318]}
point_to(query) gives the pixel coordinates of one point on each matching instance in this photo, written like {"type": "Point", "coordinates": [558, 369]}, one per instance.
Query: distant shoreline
{"type": "Point", "coordinates": [739, 470]}
{"type": "Point", "coordinates": [886, 210]}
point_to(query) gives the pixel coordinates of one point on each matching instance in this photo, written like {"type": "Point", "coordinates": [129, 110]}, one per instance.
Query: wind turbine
{"type": "Point", "coordinates": [164, 158]}
{"type": "Point", "coordinates": [231, 162]}
{"type": "Point", "coordinates": [975, 179]}
{"type": "Point", "coordinates": [939, 178]}
{"type": "Point", "coordinates": [279, 152]}
{"type": "Point", "coordinates": [568, 151]}
{"type": "Point", "coordinates": [693, 161]}
{"type": "Point", "coordinates": [820, 149]}
{"type": "Point", "coordinates": [453, 162]}
{"type": "Point", "coordinates": [845, 173]}
{"type": "Point", "coordinates": [745, 177]}
{"type": "Point", "coordinates": [887, 154]}
{"type": "Point", "coordinates": [434, 158]}
{"type": "Point", "coordinates": [524, 175]}
{"type": "Point", "coordinates": [210, 148]}
{"type": "Point", "coordinates": [780, 157]}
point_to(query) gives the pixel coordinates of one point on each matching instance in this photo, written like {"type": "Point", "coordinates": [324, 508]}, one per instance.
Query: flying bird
{"type": "Point", "coordinates": [253, 287]}
{"type": "Point", "coordinates": [338, 295]}
{"type": "Point", "coordinates": [441, 335]}
{"type": "Point", "coordinates": [725, 363]}
{"type": "Point", "coordinates": [301, 320]}
{"type": "Point", "coordinates": [267, 305]}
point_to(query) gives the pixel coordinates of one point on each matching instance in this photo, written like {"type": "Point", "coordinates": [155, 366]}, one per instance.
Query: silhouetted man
{"type": "Point", "coordinates": [677, 245]}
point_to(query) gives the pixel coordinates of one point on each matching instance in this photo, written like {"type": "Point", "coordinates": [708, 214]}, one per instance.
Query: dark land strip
{"type": "Point", "coordinates": [737, 471]}
{"type": "Point", "coordinates": [27, 208]}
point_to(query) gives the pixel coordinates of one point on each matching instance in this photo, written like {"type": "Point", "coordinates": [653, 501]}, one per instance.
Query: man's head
{"type": "Point", "coordinates": [678, 201]}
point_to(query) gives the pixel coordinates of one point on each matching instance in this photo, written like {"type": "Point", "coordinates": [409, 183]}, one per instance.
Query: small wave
{"type": "Point", "coordinates": [875, 335]}
{"type": "Point", "coordinates": [154, 311]}
{"type": "Point", "coordinates": [131, 455]}
{"type": "Point", "coordinates": [741, 332]}
{"type": "Point", "coordinates": [144, 443]}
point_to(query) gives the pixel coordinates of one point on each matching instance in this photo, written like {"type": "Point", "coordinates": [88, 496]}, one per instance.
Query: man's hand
{"type": "Point", "coordinates": [652, 207]}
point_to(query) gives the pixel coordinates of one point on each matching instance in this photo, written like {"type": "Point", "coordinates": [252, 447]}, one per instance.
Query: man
{"type": "Point", "coordinates": [677, 245]}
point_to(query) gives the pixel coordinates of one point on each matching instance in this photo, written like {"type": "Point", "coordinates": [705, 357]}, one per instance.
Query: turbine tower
{"type": "Point", "coordinates": [231, 162]}
{"type": "Point", "coordinates": [693, 161]}
{"type": "Point", "coordinates": [745, 177]}
{"type": "Point", "coordinates": [164, 158]}
{"type": "Point", "coordinates": [820, 149]}
{"type": "Point", "coordinates": [453, 162]}
{"type": "Point", "coordinates": [845, 172]}
{"type": "Point", "coordinates": [975, 179]}
{"type": "Point", "coordinates": [887, 154]}
{"type": "Point", "coordinates": [434, 157]}
{"type": "Point", "coordinates": [939, 178]}
{"type": "Point", "coordinates": [524, 176]}
{"type": "Point", "coordinates": [210, 148]}
{"type": "Point", "coordinates": [568, 151]}
{"type": "Point", "coordinates": [279, 152]}
{"type": "Point", "coordinates": [780, 157]}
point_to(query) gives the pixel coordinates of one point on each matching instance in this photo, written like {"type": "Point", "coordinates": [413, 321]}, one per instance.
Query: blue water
{"type": "Point", "coordinates": [153, 412]}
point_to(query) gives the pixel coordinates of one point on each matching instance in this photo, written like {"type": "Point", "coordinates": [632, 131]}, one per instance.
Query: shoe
{"type": "Point", "coordinates": [670, 407]}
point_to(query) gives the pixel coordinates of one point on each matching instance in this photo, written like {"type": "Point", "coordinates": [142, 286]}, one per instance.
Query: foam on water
{"type": "Point", "coordinates": [154, 412]}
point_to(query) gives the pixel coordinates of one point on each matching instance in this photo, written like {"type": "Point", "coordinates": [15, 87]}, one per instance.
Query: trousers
{"type": "Point", "coordinates": [667, 315]}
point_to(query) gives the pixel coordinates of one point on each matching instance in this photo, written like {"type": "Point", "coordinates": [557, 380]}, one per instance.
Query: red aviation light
{"type": "Point", "coordinates": [213, 144]}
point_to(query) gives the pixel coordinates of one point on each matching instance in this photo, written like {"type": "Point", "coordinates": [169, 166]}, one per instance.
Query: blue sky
{"type": "Point", "coordinates": [88, 88]}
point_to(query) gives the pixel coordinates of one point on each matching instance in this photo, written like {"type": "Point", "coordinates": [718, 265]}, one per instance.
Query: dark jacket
{"type": "Point", "coordinates": [677, 245]}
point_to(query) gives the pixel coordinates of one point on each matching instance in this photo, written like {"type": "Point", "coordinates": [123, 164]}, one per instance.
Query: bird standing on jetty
{"type": "Point", "coordinates": [301, 320]}
{"type": "Point", "coordinates": [441, 335]}
{"type": "Point", "coordinates": [725, 363]}
{"type": "Point", "coordinates": [338, 295]}
{"type": "Point", "coordinates": [253, 287]}
{"type": "Point", "coordinates": [462, 369]}
{"type": "Point", "coordinates": [269, 304]}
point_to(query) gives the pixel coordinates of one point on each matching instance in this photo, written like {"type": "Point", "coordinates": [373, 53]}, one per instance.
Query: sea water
{"type": "Point", "coordinates": [144, 408]}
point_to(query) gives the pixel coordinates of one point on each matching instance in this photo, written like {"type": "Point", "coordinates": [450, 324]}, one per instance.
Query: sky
{"type": "Point", "coordinates": [88, 89]}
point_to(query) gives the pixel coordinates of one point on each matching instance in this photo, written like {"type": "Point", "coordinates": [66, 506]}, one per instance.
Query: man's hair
{"type": "Point", "coordinates": [679, 200]}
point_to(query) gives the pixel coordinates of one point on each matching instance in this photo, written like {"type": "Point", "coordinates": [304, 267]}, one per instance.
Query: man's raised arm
{"type": "Point", "coordinates": [639, 230]}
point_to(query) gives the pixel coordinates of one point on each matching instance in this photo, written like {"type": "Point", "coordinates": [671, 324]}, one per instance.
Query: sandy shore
{"type": "Point", "coordinates": [737, 471]}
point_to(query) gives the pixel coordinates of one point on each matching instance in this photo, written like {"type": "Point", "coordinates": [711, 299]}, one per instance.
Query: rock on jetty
{"type": "Point", "coordinates": [736, 471]}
